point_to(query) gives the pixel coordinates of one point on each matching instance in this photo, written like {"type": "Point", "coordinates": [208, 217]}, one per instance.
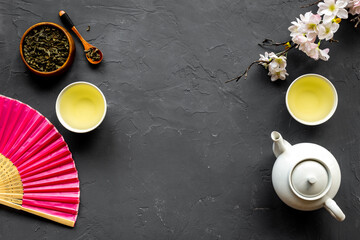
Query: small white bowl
{"type": "Point", "coordinates": [81, 104]}
{"type": "Point", "coordinates": [334, 103]}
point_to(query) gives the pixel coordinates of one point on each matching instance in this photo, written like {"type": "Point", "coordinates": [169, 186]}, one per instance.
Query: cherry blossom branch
{"type": "Point", "coordinates": [286, 50]}
{"type": "Point", "coordinates": [311, 4]}
{"type": "Point", "coordinates": [357, 20]}
{"type": "Point", "coordinates": [269, 42]}
{"type": "Point", "coordinates": [245, 73]}
{"type": "Point", "coordinates": [333, 40]}
{"type": "Point", "coordinates": [307, 32]}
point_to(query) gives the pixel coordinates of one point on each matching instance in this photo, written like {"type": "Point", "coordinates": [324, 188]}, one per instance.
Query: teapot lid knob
{"type": "Point", "coordinates": [312, 180]}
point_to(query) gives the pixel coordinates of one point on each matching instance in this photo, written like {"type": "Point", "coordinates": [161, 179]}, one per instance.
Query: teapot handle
{"type": "Point", "coordinates": [334, 210]}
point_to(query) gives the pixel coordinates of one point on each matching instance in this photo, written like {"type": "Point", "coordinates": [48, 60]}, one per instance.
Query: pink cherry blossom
{"type": "Point", "coordinates": [296, 28]}
{"type": "Point", "coordinates": [324, 54]}
{"type": "Point", "coordinates": [354, 7]}
{"type": "Point", "coordinates": [310, 49]}
{"type": "Point", "coordinates": [310, 22]}
{"type": "Point", "coordinates": [280, 74]}
{"type": "Point", "coordinates": [277, 65]}
{"type": "Point", "coordinates": [267, 57]}
{"type": "Point", "coordinates": [327, 30]}
{"type": "Point", "coordinates": [333, 8]}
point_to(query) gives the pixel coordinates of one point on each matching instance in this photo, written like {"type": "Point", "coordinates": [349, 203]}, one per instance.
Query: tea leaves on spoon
{"type": "Point", "coordinates": [93, 53]}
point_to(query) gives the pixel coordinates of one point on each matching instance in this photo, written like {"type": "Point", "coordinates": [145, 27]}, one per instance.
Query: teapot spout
{"type": "Point", "coordinates": [280, 145]}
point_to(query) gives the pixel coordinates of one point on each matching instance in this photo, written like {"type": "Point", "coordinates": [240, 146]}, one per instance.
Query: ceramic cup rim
{"type": "Point", "coordinates": [328, 116]}
{"type": "Point", "coordinates": [62, 121]}
{"type": "Point", "coordinates": [326, 190]}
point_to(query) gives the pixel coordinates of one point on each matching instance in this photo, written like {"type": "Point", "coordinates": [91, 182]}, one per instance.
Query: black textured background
{"type": "Point", "coordinates": [180, 154]}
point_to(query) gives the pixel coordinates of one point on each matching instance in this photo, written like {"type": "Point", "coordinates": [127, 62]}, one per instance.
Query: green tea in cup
{"type": "Point", "coordinates": [81, 107]}
{"type": "Point", "coordinates": [311, 99]}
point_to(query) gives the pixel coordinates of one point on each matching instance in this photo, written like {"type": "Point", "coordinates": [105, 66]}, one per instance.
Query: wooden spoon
{"type": "Point", "coordinates": [90, 50]}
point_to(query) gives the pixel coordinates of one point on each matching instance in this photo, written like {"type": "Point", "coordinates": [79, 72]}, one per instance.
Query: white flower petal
{"type": "Point", "coordinates": [327, 12]}
{"type": "Point", "coordinates": [322, 6]}
{"type": "Point", "coordinates": [342, 13]}
{"type": "Point", "coordinates": [274, 77]}
{"type": "Point", "coordinates": [334, 27]}
{"type": "Point", "coordinates": [327, 19]}
{"type": "Point", "coordinates": [322, 32]}
{"type": "Point", "coordinates": [282, 76]}
{"type": "Point", "coordinates": [273, 65]}
{"type": "Point", "coordinates": [323, 54]}
{"type": "Point", "coordinates": [341, 4]}
{"type": "Point", "coordinates": [329, 36]}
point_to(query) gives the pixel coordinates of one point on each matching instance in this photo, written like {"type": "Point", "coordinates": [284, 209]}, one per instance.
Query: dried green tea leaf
{"type": "Point", "coordinates": [93, 53]}
{"type": "Point", "coordinates": [46, 48]}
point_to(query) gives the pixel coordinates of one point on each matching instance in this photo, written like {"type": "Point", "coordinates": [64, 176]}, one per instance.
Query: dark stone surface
{"type": "Point", "coordinates": [181, 155]}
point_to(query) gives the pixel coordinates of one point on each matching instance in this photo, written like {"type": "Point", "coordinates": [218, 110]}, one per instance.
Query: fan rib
{"type": "Point", "coordinates": [33, 164]}
{"type": "Point", "coordinates": [60, 217]}
{"type": "Point", "coordinates": [60, 207]}
{"type": "Point", "coordinates": [19, 144]}
{"type": "Point", "coordinates": [47, 166]}
{"type": "Point", "coordinates": [4, 120]}
{"type": "Point", "coordinates": [70, 197]}
{"type": "Point", "coordinates": [35, 145]}
{"type": "Point", "coordinates": [66, 187]}
{"type": "Point", "coordinates": [55, 146]}
{"type": "Point", "coordinates": [17, 110]}
{"type": "Point", "coordinates": [32, 141]}
{"type": "Point", "coordinates": [64, 169]}
{"type": "Point", "coordinates": [21, 125]}
{"type": "Point", "coordinates": [66, 178]}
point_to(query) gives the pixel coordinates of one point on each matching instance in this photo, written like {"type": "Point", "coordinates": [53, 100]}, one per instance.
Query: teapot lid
{"type": "Point", "coordinates": [310, 179]}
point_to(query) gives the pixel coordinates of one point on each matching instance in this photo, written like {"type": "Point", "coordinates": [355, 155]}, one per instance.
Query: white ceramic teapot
{"type": "Point", "coordinates": [306, 176]}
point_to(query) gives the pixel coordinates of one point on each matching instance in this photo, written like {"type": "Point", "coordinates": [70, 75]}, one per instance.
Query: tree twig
{"type": "Point", "coordinates": [285, 51]}
{"type": "Point", "coordinates": [269, 42]}
{"type": "Point", "coordinates": [247, 70]}
{"type": "Point", "coordinates": [357, 20]}
{"type": "Point", "coordinates": [311, 4]}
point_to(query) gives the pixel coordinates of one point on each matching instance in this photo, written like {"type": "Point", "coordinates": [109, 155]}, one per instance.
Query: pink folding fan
{"type": "Point", "coordinates": [37, 172]}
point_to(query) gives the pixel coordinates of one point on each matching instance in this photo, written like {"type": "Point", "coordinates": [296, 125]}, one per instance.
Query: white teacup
{"type": "Point", "coordinates": [81, 107]}
{"type": "Point", "coordinates": [311, 99]}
